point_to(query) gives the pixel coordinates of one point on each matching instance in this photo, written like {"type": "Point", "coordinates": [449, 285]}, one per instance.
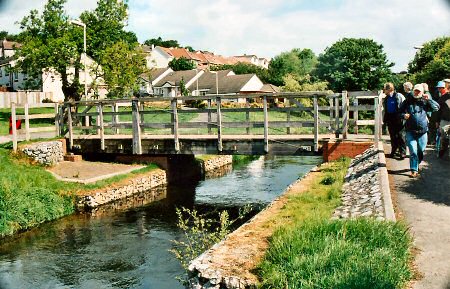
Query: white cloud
{"type": "Point", "coordinates": [269, 27]}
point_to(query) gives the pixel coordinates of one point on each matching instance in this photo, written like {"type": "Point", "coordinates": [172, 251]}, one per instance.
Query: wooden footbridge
{"type": "Point", "coordinates": [283, 123]}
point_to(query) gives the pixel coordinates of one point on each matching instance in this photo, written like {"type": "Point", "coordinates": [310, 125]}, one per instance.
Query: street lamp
{"type": "Point", "coordinates": [79, 23]}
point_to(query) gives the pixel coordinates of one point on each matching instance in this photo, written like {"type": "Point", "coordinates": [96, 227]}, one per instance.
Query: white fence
{"type": "Point", "coordinates": [22, 97]}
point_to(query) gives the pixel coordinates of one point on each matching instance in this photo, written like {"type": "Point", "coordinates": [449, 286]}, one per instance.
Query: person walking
{"type": "Point", "coordinates": [408, 88]}
{"type": "Point", "coordinates": [443, 117]}
{"type": "Point", "coordinates": [391, 105]}
{"type": "Point", "coordinates": [414, 111]}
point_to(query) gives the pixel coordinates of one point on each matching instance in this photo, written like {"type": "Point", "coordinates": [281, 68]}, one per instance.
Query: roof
{"type": "Point", "coordinates": [10, 44]}
{"type": "Point", "coordinates": [176, 76]}
{"type": "Point", "coordinates": [231, 83]}
{"type": "Point", "coordinates": [156, 72]}
{"type": "Point", "coordinates": [6, 60]}
{"type": "Point", "coordinates": [270, 88]}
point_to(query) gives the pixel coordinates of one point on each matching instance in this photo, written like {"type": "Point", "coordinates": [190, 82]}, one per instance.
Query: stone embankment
{"type": "Point", "coordinates": [46, 153]}
{"type": "Point", "coordinates": [215, 163]}
{"type": "Point", "coordinates": [122, 190]}
{"type": "Point", "coordinates": [366, 190]}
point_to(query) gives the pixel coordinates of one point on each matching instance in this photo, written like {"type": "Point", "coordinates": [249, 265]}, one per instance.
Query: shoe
{"type": "Point", "coordinates": [414, 174]}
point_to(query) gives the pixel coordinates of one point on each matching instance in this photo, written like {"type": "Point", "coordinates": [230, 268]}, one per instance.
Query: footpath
{"type": "Point", "coordinates": [424, 203]}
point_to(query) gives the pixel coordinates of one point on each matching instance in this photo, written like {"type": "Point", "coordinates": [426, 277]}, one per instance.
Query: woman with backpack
{"type": "Point", "coordinates": [414, 111]}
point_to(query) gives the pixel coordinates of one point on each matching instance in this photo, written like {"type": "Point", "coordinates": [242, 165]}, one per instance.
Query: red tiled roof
{"type": "Point", "coordinates": [10, 44]}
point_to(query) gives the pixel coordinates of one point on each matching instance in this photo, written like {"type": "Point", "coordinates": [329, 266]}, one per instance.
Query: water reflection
{"type": "Point", "coordinates": [125, 244]}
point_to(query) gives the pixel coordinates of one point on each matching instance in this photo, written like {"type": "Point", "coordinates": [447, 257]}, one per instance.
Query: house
{"type": "Point", "coordinates": [49, 80]}
{"type": "Point", "coordinates": [7, 48]}
{"type": "Point", "coordinates": [203, 82]}
{"type": "Point", "coordinates": [255, 60]}
{"type": "Point", "coordinates": [148, 80]}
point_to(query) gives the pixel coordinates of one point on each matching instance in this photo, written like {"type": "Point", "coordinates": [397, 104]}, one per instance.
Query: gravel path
{"type": "Point", "coordinates": [425, 205]}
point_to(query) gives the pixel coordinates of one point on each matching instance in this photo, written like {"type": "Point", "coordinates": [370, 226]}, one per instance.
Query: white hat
{"type": "Point", "coordinates": [447, 80]}
{"type": "Point", "coordinates": [418, 87]}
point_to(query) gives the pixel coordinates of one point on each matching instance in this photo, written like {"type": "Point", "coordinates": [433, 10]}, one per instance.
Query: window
{"type": "Point", "coordinates": [16, 76]}
{"type": "Point", "coordinates": [1, 71]}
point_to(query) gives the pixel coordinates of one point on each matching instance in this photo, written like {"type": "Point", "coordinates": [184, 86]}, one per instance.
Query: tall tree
{"type": "Point", "coordinates": [297, 62]}
{"type": "Point", "coordinates": [426, 54]}
{"type": "Point", "coordinates": [354, 64]}
{"type": "Point", "coordinates": [181, 63]}
{"type": "Point", "coordinates": [436, 69]}
{"type": "Point", "coordinates": [160, 42]}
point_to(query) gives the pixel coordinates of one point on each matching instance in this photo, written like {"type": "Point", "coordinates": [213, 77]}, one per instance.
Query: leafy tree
{"type": "Point", "coordinates": [354, 64]}
{"type": "Point", "coordinates": [160, 42]}
{"type": "Point", "coordinates": [181, 63]}
{"type": "Point", "coordinates": [296, 62]}
{"type": "Point", "coordinates": [50, 43]}
{"type": "Point", "coordinates": [122, 68]}
{"type": "Point", "coordinates": [7, 36]}
{"type": "Point", "coordinates": [245, 68]}
{"type": "Point", "coordinates": [427, 54]}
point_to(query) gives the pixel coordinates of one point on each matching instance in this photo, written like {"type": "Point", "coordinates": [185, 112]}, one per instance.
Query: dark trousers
{"type": "Point", "coordinates": [395, 128]}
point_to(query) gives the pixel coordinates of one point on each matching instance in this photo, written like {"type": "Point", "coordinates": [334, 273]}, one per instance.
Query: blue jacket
{"type": "Point", "coordinates": [417, 109]}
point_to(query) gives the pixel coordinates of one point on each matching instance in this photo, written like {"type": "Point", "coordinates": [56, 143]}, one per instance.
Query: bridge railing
{"type": "Point", "coordinates": [216, 116]}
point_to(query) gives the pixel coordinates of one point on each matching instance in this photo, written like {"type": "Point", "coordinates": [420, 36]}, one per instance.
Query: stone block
{"type": "Point", "coordinates": [73, 158]}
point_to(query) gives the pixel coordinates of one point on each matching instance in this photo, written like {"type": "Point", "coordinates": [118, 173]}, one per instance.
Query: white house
{"type": "Point", "coordinates": [7, 48]}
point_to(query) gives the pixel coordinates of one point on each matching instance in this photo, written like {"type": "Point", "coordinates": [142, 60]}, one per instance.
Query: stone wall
{"type": "Point", "coordinates": [123, 190]}
{"type": "Point", "coordinates": [366, 192]}
{"type": "Point", "coordinates": [215, 162]}
{"type": "Point", "coordinates": [47, 153]}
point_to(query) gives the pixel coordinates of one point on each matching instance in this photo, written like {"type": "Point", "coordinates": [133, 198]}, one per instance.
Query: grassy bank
{"type": "Point", "coordinates": [311, 251]}
{"type": "Point", "coordinates": [29, 195]}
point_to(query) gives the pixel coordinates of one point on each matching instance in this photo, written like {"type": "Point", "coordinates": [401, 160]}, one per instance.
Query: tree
{"type": "Point", "coordinates": [181, 63]}
{"type": "Point", "coordinates": [354, 64]}
{"type": "Point", "coordinates": [160, 42]}
{"type": "Point", "coordinates": [7, 36]}
{"type": "Point", "coordinates": [296, 62]}
{"type": "Point", "coordinates": [122, 68]}
{"type": "Point", "coordinates": [51, 43]}
{"type": "Point", "coordinates": [426, 54]}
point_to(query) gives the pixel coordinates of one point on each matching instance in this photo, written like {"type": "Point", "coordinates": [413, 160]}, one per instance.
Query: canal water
{"type": "Point", "coordinates": [125, 245]}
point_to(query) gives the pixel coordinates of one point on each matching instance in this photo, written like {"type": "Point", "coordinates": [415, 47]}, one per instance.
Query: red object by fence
{"type": "Point", "coordinates": [18, 124]}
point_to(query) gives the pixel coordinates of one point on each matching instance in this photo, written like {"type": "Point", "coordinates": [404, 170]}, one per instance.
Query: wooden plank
{"type": "Point", "coordinates": [42, 129]}
{"type": "Point", "coordinates": [219, 125]}
{"type": "Point", "coordinates": [366, 122]}
{"type": "Point", "coordinates": [57, 121]}
{"type": "Point", "coordinates": [361, 107]}
{"type": "Point", "coordinates": [27, 122]}
{"type": "Point", "coordinates": [137, 144]}
{"type": "Point", "coordinates": [316, 125]}
{"type": "Point", "coordinates": [377, 117]}
{"type": "Point", "coordinates": [247, 114]}
{"type": "Point", "coordinates": [362, 94]}
{"type": "Point", "coordinates": [355, 114]}
{"type": "Point", "coordinates": [40, 105]}
{"type": "Point", "coordinates": [266, 125]}
{"type": "Point", "coordinates": [336, 115]}
{"type": "Point", "coordinates": [209, 116]}
{"type": "Point", "coordinates": [69, 123]}
{"type": "Point", "coordinates": [13, 125]}
{"type": "Point", "coordinates": [344, 114]}
{"type": "Point", "coordinates": [175, 126]}
{"type": "Point", "coordinates": [288, 116]}
{"type": "Point", "coordinates": [101, 128]}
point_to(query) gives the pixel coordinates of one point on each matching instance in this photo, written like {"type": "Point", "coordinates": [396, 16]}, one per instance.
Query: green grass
{"type": "Point", "coordinates": [362, 253]}
{"type": "Point", "coordinates": [29, 195]}
{"type": "Point", "coordinates": [308, 250]}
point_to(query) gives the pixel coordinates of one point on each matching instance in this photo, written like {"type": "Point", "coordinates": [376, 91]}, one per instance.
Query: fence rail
{"type": "Point", "coordinates": [22, 97]}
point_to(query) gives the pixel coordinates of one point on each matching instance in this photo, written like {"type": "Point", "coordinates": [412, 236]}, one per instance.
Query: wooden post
{"type": "Point", "coordinates": [288, 117]}
{"type": "Point", "coordinates": [247, 115]}
{"type": "Point", "coordinates": [57, 128]}
{"type": "Point", "coordinates": [355, 114]}
{"type": "Point", "coordinates": [219, 124]}
{"type": "Point", "coordinates": [344, 114]}
{"type": "Point", "coordinates": [13, 125]}
{"type": "Point", "coordinates": [69, 123]}
{"type": "Point", "coordinates": [209, 116]}
{"type": "Point", "coordinates": [102, 127]}
{"type": "Point", "coordinates": [115, 118]}
{"type": "Point", "coordinates": [331, 113]}
{"type": "Point", "coordinates": [27, 121]}
{"type": "Point", "coordinates": [316, 124]}
{"type": "Point", "coordinates": [142, 117]}
{"type": "Point", "coordinates": [137, 145]}
{"type": "Point", "coordinates": [175, 125]}
{"type": "Point", "coordinates": [377, 122]}
{"type": "Point", "coordinates": [61, 120]}
{"type": "Point", "coordinates": [336, 116]}
{"type": "Point", "coordinates": [266, 125]}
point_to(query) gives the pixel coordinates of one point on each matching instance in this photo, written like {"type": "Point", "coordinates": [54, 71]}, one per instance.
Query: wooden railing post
{"type": "Point", "coordinates": [209, 116]}
{"type": "Point", "coordinates": [115, 117]}
{"type": "Point", "coordinates": [288, 116]}
{"type": "Point", "coordinates": [266, 125]}
{"type": "Point", "coordinates": [69, 123]}
{"type": "Point", "coordinates": [175, 125]}
{"type": "Point", "coordinates": [247, 115]}
{"type": "Point", "coordinates": [27, 121]}
{"type": "Point", "coordinates": [336, 116]}
{"type": "Point", "coordinates": [316, 124]}
{"type": "Point", "coordinates": [137, 145]}
{"type": "Point", "coordinates": [355, 114]}
{"type": "Point", "coordinates": [377, 121]}
{"type": "Point", "coordinates": [102, 127]}
{"type": "Point", "coordinates": [57, 128]}
{"type": "Point", "coordinates": [219, 124]}
{"type": "Point", "coordinates": [344, 114]}
{"type": "Point", "coordinates": [13, 125]}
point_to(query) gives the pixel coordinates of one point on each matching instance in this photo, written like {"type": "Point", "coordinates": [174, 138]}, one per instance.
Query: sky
{"type": "Point", "coordinates": [267, 28]}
